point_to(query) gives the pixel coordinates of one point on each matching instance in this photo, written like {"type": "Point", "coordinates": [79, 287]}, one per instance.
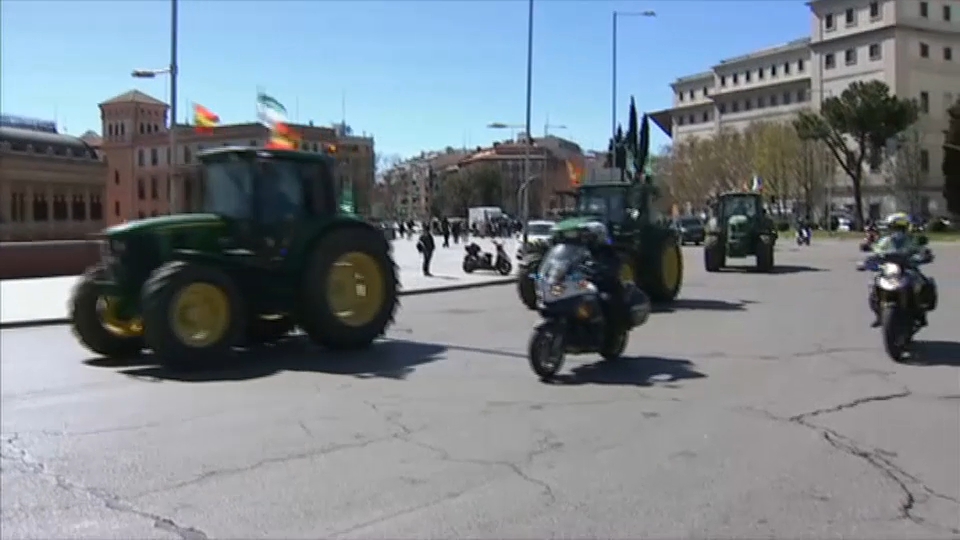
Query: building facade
{"type": "Point", "coordinates": [51, 186]}
{"type": "Point", "coordinates": [140, 178]}
{"type": "Point", "coordinates": [911, 45]}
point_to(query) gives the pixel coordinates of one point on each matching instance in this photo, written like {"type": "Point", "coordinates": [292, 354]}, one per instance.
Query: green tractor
{"type": "Point", "coordinates": [651, 252]}
{"type": "Point", "coordinates": [269, 250]}
{"type": "Point", "coordinates": [739, 228]}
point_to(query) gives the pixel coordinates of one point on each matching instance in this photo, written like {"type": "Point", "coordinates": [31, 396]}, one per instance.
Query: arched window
{"type": "Point", "coordinates": [79, 210]}
{"type": "Point", "coordinates": [40, 209]}
{"type": "Point", "coordinates": [60, 211]}
{"type": "Point", "coordinates": [116, 177]}
{"type": "Point", "coordinates": [96, 210]}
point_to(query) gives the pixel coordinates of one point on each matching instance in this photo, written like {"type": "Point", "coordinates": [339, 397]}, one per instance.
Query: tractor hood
{"type": "Point", "coordinates": [574, 223]}
{"type": "Point", "coordinates": [166, 223]}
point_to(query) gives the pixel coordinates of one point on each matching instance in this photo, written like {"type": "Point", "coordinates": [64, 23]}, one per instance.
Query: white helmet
{"type": "Point", "coordinates": [597, 232]}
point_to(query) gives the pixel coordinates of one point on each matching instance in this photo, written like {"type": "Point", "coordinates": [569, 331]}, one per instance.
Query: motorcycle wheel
{"type": "Point", "coordinates": [896, 332]}
{"type": "Point", "coordinates": [614, 346]}
{"type": "Point", "coordinates": [504, 268]}
{"type": "Point", "coordinates": [546, 352]}
{"type": "Point", "coordinates": [468, 265]}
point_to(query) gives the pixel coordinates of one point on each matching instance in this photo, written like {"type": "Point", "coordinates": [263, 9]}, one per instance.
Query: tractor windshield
{"type": "Point", "coordinates": [738, 205]}
{"type": "Point", "coordinates": [608, 204]}
{"type": "Point", "coordinates": [229, 188]}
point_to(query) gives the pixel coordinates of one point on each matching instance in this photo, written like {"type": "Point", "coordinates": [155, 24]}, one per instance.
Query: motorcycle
{"type": "Point", "coordinates": [899, 294]}
{"type": "Point", "coordinates": [871, 236]}
{"type": "Point", "coordinates": [574, 320]}
{"type": "Point", "coordinates": [803, 236]}
{"type": "Point", "coordinates": [477, 260]}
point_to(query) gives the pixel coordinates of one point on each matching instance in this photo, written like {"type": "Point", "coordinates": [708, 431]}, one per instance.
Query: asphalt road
{"type": "Point", "coordinates": [762, 406]}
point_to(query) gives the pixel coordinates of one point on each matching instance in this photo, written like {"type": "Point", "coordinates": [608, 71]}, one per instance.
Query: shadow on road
{"type": "Point", "coordinates": [702, 304]}
{"type": "Point", "coordinates": [779, 269]}
{"type": "Point", "coordinates": [937, 353]}
{"type": "Point", "coordinates": [637, 371]}
{"type": "Point", "coordinates": [387, 359]}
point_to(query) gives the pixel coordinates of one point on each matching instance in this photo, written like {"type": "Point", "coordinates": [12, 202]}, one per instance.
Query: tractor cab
{"type": "Point", "coordinates": [739, 228]}
{"type": "Point", "coordinates": [618, 205]}
{"type": "Point", "coordinates": [266, 186]}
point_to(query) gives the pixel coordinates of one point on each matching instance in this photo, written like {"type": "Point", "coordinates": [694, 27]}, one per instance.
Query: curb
{"type": "Point", "coordinates": [38, 323]}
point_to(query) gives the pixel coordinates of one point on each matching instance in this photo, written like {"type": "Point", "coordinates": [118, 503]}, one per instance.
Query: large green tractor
{"type": "Point", "coordinates": [650, 251]}
{"type": "Point", "coordinates": [739, 228]}
{"type": "Point", "coordinates": [269, 250]}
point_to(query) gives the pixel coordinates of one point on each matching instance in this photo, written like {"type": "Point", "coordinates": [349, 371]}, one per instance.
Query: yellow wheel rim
{"type": "Point", "coordinates": [670, 266]}
{"type": "Point", "coordinates": [356, 289]}
{"type": "Point", "coordinates": [200, 314]}
{"type": "Point", "coordinates": [626, 273]}
{"type": "Point", "coordinates": [107, 308]}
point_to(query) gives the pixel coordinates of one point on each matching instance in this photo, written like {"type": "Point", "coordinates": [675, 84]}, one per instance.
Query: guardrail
{"type": "Point", "coordinates": [47, 259]}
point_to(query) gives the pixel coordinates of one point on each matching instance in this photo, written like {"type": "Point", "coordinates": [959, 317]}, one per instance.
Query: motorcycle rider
{"type": "Point", "coordinates": [605, 270]}
{"type": "Point", "coordinates": [900, 240]}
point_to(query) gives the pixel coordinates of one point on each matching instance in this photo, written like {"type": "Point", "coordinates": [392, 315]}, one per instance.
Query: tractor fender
{"type": "Point", "coordinates": [337, 224]}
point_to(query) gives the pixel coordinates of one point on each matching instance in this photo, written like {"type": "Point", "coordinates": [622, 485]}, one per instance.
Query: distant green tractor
{"type": "Point", "coordinates": [739, 228]}
{"type": "Point", "coordinates": [270, 250]}
{"type": "Point", "coordinates": [651, 252]}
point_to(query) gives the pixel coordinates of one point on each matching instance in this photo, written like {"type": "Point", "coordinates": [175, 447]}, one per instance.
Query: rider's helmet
{"type": "Point", "coordinates": [595, 233]}
{"type": "Point", "coordinates": [898, 222]}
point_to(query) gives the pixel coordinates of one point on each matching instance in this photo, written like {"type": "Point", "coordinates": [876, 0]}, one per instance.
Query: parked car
{"type": "Point", "coordinates": [691, 229]}
{"type": "Point", "coordinates": [537, 231]}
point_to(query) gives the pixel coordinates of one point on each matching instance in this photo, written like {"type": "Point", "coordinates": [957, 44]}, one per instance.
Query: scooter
{"type": "Point", "coordinates": [803, 236]}
{"type": "Point", "coordinates": [477, 260]}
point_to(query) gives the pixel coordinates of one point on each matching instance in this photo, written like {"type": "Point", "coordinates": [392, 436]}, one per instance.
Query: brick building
{"type": "Point", "coordinates": [135, 142]}
{"type": "Point", "coordinates": [51, 186]}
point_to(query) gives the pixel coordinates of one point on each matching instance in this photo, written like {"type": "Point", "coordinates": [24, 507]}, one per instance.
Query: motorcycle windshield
{"type": "Point", "coordinates": [560, 260]}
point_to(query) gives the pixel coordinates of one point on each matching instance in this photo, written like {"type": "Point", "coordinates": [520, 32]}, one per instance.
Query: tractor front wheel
{"type": "Point", "coordinates": [95, 324]}
{"type": "Point", "coordinates": [765, 255]}
{"type": "Point", "coordinates": [714, 255]}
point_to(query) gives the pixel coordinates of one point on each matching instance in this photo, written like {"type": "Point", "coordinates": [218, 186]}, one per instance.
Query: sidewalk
{"type": "Point", "coordinates": [45, 299]}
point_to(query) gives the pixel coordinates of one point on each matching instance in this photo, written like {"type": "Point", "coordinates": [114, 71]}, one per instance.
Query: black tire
{"type": "Point", "coordinates": [764, 255]}
{"type": "Point", "coordinates": [614, 345]}
{"type": "Point", "coordinates": [86, 325]}
{"type": "Point", "coordinates": [158, 295]}
{"type": "Point", "coordinates": [527, 290]}
{"type": "Point", "coordinates": [539, 349]}
{"type": "Point", "coordinates": [896, 332]}
{"type": "Point", "coordinates": [504, 268]}
{"type": "Point", "coordinates": [469, 265]}
{"type": "Point", "coordinates": [317, 318]}
{"type": "Point", "coordinates": [268, 330]}
{"type": "Point", "coordinates": [659, 287]}
{"type": "Point", "coordinates": [714, 255]}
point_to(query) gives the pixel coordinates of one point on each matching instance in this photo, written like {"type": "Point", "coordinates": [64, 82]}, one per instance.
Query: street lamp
{"type": "Point", "coordinates": [170, 70]}
{"type": "Point", "coordinates": [616, 15]}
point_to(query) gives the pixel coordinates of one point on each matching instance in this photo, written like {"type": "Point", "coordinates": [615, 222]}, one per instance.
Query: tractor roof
{"type": "Point", "coordinates": [286, 155]}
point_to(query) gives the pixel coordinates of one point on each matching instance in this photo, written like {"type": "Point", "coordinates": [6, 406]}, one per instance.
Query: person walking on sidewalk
{"type": "Point", "coordinates": [426, 246]}
{"type": "Point", "coordinates": [445, 231]}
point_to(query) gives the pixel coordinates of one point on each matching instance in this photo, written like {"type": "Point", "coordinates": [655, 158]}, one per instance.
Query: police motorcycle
{"type": "Point", "coordinates": [474, 259]}
{"type": "Point", "coordinates": [574, 318]}
{"type": "Point", "coordinates": [803, 236]}
{"type": "Point", "coordinates": [901, 296]}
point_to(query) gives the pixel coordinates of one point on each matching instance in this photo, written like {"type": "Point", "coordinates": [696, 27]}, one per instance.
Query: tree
{"type": "Point", "coordinates": [860, 121]}
{"type": "Point", "coordinates": [909, 169]}
{"type": "Point", "coordinates": [811, 166]}
{"type": "Point", "coordinates": [384, 165]}
{"type": "Point", "coordinates": [486, 185]}
{"type": "Point", "coordinates": [951, 161]}
{"type": "Point", "coordinates": [776, 148]}
{"type": "Point", "coordinates": [454, 195]}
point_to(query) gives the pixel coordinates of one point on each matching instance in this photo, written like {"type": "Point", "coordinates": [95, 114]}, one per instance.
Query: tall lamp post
{"type": "Point", "coordinates": [170, 70]}
{"type": "Point", "coordinates": [613, 91]}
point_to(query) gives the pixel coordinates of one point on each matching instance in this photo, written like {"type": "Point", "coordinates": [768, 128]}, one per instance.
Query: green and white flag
{"type": "Point", "coordinates": [270, 112]}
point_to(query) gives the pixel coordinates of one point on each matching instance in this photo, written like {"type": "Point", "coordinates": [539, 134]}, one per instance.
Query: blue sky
{"type": "Point", "coordinates": [417, 75]}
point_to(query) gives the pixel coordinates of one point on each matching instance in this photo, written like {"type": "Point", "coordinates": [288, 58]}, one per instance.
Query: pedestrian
{"type": "Point", "coordinates": [445, 231]}
{"type": "Point", "coordinates": [426, 245]}
{"type": "Point", "coordinates": [455, 230]}
{"type": "Point", "coordinates": [403, 229]}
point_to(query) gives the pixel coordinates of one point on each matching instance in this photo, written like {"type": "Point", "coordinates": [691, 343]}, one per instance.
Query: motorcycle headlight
{"type": "Point", "coordinates": [557, 290]}
{"type": "Point", "coordinates": [890, 269]}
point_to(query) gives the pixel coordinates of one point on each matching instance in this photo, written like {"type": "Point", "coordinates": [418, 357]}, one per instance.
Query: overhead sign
{"type": "Point", "coordinates": [33, 124]}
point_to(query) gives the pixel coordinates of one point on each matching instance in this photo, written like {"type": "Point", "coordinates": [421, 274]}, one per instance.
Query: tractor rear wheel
{"type": "Point", "coordinates": [665, 272]}
{"type": "Point", "coordinates": [765, 254]}
{"type": "Point", "coordinates": [714, 254]}
{"type": "Point", "coordinates": [192, 314]}
{"type": "Point", "coordinates": [349, 289]}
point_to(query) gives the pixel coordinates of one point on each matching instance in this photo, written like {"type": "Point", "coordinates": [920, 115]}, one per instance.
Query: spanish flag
{"type": "Point", "coordinates": [204, 119]}
{"type": "Point", "coordinates": [574, 172]}
{"type": "Point", "coordinates": [282, 137]}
